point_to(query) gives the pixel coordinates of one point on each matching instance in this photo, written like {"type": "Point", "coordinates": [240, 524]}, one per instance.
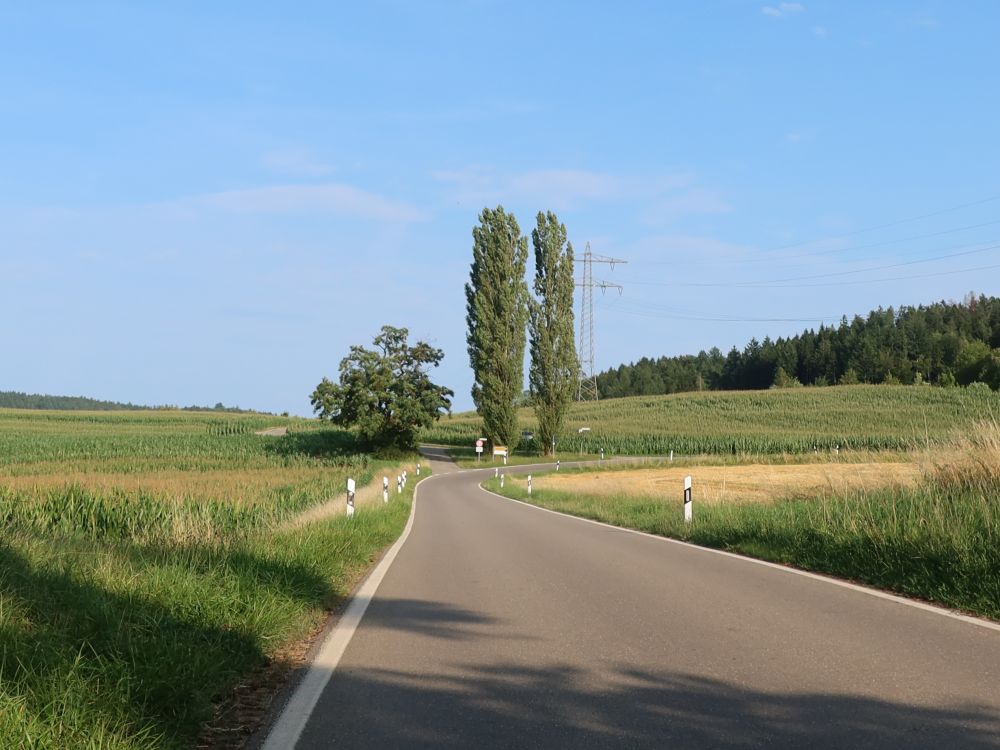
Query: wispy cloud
{"type": "Point", "coordinates": [466, 113]}
{"type": "Point", "coordinates": [559, 189]}
{"type": "Point", "coordinates": [687, 202]}
{"type": "Point", "coordinates": [562, 189]}
{"type": "Point", "coordinates": [780, 10]}
{"type": "Point", "coordinates": [332, 198]}
{"type": "Point", "coordinates": [800, 136]}
{"type": "Point", "coordinates": [295, 162]}
{"type": "Point", "coordinates": [819, 30]}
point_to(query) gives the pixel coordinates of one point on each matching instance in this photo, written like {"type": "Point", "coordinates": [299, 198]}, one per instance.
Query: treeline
{"type": "Point", "coordinates": [16, 400]}
{"type": "Point", "coordinates": [945, 343]}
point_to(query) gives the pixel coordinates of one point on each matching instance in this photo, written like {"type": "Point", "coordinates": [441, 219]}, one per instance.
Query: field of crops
{"type": "Point", "coordinates": [152, 559]}
{"type": "Point", "coordinates": [157, 475]}
{"type": "Point", "coordinates": [863, 417]}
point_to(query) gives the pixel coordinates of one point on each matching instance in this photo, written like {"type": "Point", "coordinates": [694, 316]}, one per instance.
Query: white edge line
{"type": "Point", "coordinates": [295, 715]}
{"type": "Point", "coordinates": [795, 571]}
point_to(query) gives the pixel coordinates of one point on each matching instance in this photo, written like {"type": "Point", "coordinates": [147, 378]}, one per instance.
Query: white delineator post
{"type": "Point", "coordinates": [501, 481]}
{"type": "Point", "coordinates": [557, 466]}
{"type": "Point", "coordinates": [602, 454]}
{"type": "Point", "coordinates": [385, 489]}
{"type": "Point", "coordinates": [350, 497]}
{"type": "Point", "coordinates": [529, 484]}
{"type": "Point", "coordinates": [496, 472]}
{"type": "Point", "coordinates": [399, 483]}
{"type": "Point", "coordinates": [418, 468]}
{"type": "Point", "coordinates": [687, 499]}
{"type": "Point", "coordinates": [671, 455]}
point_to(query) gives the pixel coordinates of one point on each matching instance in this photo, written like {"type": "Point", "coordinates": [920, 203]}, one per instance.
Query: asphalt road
{"type": "Point", "coordinates": [500, 625]}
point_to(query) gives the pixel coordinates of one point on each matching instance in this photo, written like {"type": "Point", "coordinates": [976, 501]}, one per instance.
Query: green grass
{"type": "Point", "coordinates": [863, 417]}
{"type": "Point", "coordinates": [147, 566]}
{"type": "Point", "coordinates": [940, 542]}
{"type": "Point", "coordinates": [128, 645]}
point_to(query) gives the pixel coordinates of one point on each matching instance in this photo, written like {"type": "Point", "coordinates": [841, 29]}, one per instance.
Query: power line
{"type": "Point", "coordinates": [587, 384]}
{"type": "Point", "coordinates": [775, 282]}
{"type": "Point", "coordinates": [891, 278]}
{"type": "Point", "coordinates": [842, 283]}
{"type": "Point", "coordinates": [653, 311]}
{"type": "Point", "coordinates": [887, 225]}
{"type": "Point", "coordinates": [838, 250]}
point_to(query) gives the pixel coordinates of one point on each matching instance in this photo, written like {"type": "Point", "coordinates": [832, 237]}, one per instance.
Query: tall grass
{"type": "Point", "coordinates": [115, 644]}
{"type": "Point", "coordinates": [148, 564]}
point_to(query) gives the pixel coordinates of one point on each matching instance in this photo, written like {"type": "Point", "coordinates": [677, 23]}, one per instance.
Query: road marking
{"type": "Point", "coordinates": [293, 719]}
{"type": "Point", "coordinates": [795, 571]}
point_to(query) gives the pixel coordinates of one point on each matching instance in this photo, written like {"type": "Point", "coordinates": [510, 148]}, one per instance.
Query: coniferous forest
{"type": "Point", "coordinates": [945, 343]}
{"type": "Point", "coordinates": [18, 400]}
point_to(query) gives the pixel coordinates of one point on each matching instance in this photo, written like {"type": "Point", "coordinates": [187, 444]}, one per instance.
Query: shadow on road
{"type": "Point", "coordinates": [433, 619]}
{"type": "Point", "coordinates": [508, 706]}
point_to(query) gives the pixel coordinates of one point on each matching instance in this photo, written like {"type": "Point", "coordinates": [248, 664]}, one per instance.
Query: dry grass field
{"type": "Point", "coordinates": [759, 483]}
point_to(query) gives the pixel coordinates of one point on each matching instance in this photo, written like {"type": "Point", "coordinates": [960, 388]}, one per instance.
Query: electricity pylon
{"type": "Point", "coordinates": [587, 385]}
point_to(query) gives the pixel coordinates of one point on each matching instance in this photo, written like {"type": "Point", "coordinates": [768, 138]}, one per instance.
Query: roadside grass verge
{"type": "Point", "coordinates": [116, 641]}
{"type": "Point", "coordinates": [939, 541]}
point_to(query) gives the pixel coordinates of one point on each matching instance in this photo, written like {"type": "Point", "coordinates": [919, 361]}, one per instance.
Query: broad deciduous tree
{"type": "Point", "coordinates": [554, 365]}
{"type": "Point", "coordinates": [496, 314]}
{"type": "Point", "coordinates": [385, 393]}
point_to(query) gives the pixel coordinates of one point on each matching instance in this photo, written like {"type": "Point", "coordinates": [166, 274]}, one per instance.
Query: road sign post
{"type": "Point", "coordinates": [687, 500]}
{"type": "Point", "coordinates": [500, 450]}
{"type": "Point", "coordinates": [351, 486]}
{"type": "Point", "coordinates": [479, 449]}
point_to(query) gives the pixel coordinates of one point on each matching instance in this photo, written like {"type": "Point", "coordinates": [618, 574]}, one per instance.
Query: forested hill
{"type": "Point", "coordinates": [945, 343]}
{"type": "Point", "coordinates": [15, 400]}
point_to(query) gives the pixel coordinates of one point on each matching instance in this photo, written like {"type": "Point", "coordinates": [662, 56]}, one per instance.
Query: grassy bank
{"type": "Point", "coordinates": [150, 563]}
{"type": "Point", "coordinates": [939, 541]}
{"type": "Point", "coordinates": [863, 417]}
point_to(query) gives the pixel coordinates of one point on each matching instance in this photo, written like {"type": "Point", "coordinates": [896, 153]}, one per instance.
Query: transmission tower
{"type": "Point", "coordinates": [587, 385]}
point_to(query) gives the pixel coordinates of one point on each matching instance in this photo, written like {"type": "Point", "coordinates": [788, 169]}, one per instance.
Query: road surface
{"type": "Point", "coordinates": [501, 625]}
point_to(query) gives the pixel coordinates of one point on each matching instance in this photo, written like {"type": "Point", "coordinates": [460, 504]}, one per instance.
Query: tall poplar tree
{"type": "Point", "coordinates": [554, 365]}
{"type": "Point", "coordinates": [496, 314]}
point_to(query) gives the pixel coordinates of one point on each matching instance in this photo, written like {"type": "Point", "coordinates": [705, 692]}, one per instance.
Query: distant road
{"type": "Point", "coordinates": [503, 626]}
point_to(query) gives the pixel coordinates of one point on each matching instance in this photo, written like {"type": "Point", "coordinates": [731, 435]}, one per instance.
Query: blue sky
{"type": "Point", "coordinates": [210, 202]}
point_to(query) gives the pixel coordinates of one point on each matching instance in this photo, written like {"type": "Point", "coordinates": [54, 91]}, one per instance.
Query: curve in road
{"type": "Point", "coordinates": [499, 625]}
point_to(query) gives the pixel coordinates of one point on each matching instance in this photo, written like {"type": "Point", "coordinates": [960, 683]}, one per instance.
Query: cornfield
{"type": "Point", "coordinates": [756, 422]}
{"type": "Point", "coordinates": [165, 475]}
